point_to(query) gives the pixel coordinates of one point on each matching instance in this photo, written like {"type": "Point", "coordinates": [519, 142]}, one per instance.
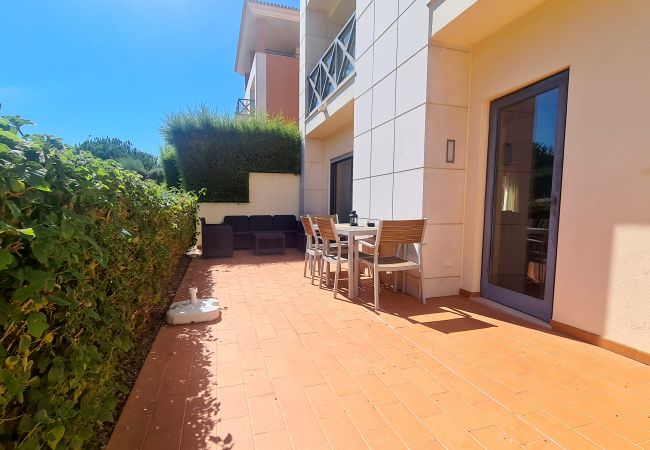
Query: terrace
{"type": "Point", "coordinates": [288, 366]}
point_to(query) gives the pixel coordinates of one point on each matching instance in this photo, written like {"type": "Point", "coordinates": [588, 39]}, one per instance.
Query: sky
{"type": "Point", "coordinates": [95, 68]}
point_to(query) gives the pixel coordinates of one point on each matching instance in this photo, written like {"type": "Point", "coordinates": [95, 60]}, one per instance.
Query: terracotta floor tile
{"type": "Point", "coordinates": [376, 391]}
{"type": "Point", "coordinates": [614, 422]}
{"type": "Point", "coordinates": [364, 415]}
{"type": "Point", "coordinates": [383, 439]}
{"type": "Point", "coordinates": [341, 433]}
{"type": "Point", "coordinates": [279, 366]}
{"type": "Point", "coordinates": [415, 400]}
{"type": "Point", "coordinates": [493, 438]}
{"type": "Point", "coordinates": [293, 367]}
{"type": "Point", "coordinates": [130, 433]}
{"type": "Point", "coordinates": [236, 432]}
{"type": "Point", "coordinates": [406, 424]}
{"type": "Point", "coordinates": [265, 414]}
{"type": "Point", "coordinates": [272, 347]}
{"type": "Point", "coordinates": [308, 373]}
{"type": "Point", "coordinates": [303, 427]}
{"type": "Point", "coordinates": [170, 440]}
{"type": "Point", "coordinates": [508, 399]}
{"type": "Point", "coordinates": [426, 382]}
{"type": "Point", "coordinates": [227, 353]}
{"type": "Point", "coordinates": [557, 431]}
{"type": "Point", "coordinates": [276, 440]}
{"type": "Point", "coordinates": [449, 433]}
{"type": "Point", "coordinates": [168, 414]}
{"type": "Point", "coordinates": [508, 422]}
{"type": "Point", "coordinates": [251, 359]}
{"type": "Point", "coordinates": [604, 437]}
{"type": "Point", "coordinates": [339, 380]}
{"type": "Point", "coordinates": [433, 445]}
{"type": "Point", "coordinates": [387, 372]}
{"type": "Point", "coordinates": [232, 401]}
{"type": "Point", "coordinates": [465, 389]}
{"type": "Point", "coordinates": [565, 414]}
{"type": "Point", "coordinates": [289, 392]}
{"type": "Point", "coordinates": [323, 401]}
{"type": "Point", "coordinates": [465, 415]}
{"type": "Point", "coordinates": [542, 444]}
{"type": "Point", "coordinates": [353, 365]}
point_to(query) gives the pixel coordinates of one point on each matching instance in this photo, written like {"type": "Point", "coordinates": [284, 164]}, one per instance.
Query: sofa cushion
{"type": "Point", "coordinates": [261, 223]}
{"type": "Point", "coordinates": [239, 224]}
{"type": "Point", "coordinates": [285, 222]}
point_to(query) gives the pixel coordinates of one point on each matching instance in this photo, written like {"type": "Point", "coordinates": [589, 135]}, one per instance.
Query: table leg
{"type": "Point", "coordinates": [352, 288]}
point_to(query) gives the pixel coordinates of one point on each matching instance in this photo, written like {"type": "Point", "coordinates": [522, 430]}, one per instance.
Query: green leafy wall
{"type": "Point", "coordinates": [217, 152]}
{"type": "Point", "coordinates": [85, 250]}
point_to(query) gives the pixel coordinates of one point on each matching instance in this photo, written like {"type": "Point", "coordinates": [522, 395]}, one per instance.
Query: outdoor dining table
{"type": "Point", "coordinates": [353, 232]}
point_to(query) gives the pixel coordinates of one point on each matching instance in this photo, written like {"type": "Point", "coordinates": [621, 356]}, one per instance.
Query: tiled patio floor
{"type": "Point", "coordinates": [288, 366]}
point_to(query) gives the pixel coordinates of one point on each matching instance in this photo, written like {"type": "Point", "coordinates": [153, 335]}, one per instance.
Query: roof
{"type": "Point", "coordinates": [282, 29]}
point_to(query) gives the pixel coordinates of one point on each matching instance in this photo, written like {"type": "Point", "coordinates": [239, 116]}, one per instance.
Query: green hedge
{"type": "Point", "coordinates": [170, 166]}
{"type": "Point", "coordinates": [217, 152]}
{"type": "Point", "coordinates": [85, 250]}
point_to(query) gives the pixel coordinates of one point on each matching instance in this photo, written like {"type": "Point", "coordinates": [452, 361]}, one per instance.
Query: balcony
{"type": "Point", "coordinates": [334, 68]}
{"type": "Point", "coordinates": [245, 107]}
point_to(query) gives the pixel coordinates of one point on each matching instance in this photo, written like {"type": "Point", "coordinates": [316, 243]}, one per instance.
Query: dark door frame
{"type": "Point", "coordinates": [333, 173]}
{"type": "Point", "coordinates": [542, 309]}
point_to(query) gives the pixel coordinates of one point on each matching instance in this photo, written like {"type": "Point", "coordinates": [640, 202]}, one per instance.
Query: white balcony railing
{"type": "Point", "coordinates": [336, 65]}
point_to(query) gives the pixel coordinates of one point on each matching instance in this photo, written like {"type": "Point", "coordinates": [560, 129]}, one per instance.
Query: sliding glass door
{"type": "Point", "coordinates": [526, 145]}
{"type": "Point", "coordinates": [341, 187]}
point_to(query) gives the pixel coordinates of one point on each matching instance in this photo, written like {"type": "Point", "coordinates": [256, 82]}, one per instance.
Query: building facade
{"type": "Point", "coordinates": [267, 58]}
{"type": "Point", "coordinates": [515, 127]}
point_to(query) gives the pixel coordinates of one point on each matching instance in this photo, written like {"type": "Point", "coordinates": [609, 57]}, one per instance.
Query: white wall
{"type": "Point", "coordinates": [400, 135]}
{"type": "Point", "coordinates": [602, 280]}
{"type": "Point", "coordinates": [270, 193]}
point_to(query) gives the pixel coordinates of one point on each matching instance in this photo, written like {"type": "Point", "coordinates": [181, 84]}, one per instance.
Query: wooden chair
{"type": "Point", "coordinates": [312, 249]}
{"type": "Point", "coordinates": [326, 216]}
{"type": "Point", "coordinates": [332, 250]}
{"type": "Point", "coordinates": [402, 233]}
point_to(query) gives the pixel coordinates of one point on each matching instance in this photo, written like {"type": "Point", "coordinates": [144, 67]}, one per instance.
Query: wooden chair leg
{"type": "Point", "coordinates": [304, 270]}
{"type": "Point", "coordinates": [422, 297]}
{"type": "Point", "coordinates": [394, 281]}
{"type": "Point", "coordinates": [336, 277]}
{"type": "Point", "coordinates": [320, 276]}
{"type": "Point", "coordinates": [313, 267]}
{"type": "Point", "coordinates": [375, 276]}
{"type": "Point", "coordinates": [404, 274]}
{"type": "Point", "coordinates": [327, 279]}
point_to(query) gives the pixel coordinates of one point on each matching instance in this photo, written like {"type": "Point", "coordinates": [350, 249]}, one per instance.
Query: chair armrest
{"type": "Point", "coordinates": [367, 244]}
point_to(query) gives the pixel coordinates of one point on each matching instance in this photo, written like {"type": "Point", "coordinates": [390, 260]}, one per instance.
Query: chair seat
{"type": "Point", "coordinates": [388, 263]}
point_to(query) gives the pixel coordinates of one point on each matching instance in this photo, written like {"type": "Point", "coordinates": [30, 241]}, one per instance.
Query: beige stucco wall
{"type": "Point", "coordinates": [270, 193]}
{"type": "Point", "coordinates": [603, 268]}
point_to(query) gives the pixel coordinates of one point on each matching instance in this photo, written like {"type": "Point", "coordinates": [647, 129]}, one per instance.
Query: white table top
{"type": "Point", "coordinates": [344, 228]}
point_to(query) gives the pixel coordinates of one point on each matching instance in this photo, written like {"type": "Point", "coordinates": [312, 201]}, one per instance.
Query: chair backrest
{"type": "Point", "coordinates": [327, 229]}
{"type": "Point", "coordinates": [326, 216]}
{"type": "Point", "coordinates": [401, 231]}
{"type": "Point", "coordinates": [306, 224]}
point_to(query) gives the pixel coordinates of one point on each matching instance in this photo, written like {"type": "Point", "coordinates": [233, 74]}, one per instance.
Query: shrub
{"type": "Point", "coordinates": [85, 249]}
{"type": "Point", "coordinates": [170, 166]}
{"type": "Point", "coordinates": [125, 153]}
{"type": "Point", "coordinates": [217, 152]}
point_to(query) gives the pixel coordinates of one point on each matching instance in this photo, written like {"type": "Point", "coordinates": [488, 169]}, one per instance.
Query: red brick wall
{"type": "Point", "coordinates": [282, 86]}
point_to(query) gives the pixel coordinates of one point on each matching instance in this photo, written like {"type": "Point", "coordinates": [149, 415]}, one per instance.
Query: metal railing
{"type": "Point", "coordinates": [336, 65]}
{"type": "Point", "coordinates": [245, 106]}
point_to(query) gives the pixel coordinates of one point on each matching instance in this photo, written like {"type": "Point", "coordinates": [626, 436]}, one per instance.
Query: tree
{"type": "Point", "coordinates": [125, 153]}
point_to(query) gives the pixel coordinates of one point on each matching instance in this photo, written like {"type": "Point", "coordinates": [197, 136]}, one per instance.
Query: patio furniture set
{"type": "Point", "coordinates": [383, 248]}
{"type": "Point", "coordinates": [264, 234]}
